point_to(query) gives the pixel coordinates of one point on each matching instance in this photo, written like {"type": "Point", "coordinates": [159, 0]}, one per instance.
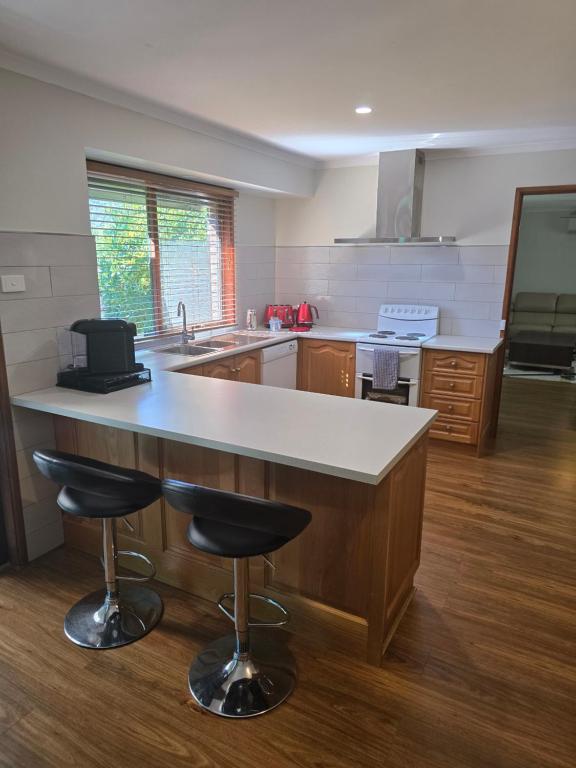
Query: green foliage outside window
{"type": "Point", "coordinates": [121, 229]}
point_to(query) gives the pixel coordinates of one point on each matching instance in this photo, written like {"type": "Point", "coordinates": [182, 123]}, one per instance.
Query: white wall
{"type": "Point", "coordinates": [44, 135]}
{"type": "Point", "coordinates": [471, 197]}
{"type": "Point", "coordinates": [546, 258]}
{"type": "Point", "coordinates": [344, 205]}
{"type": "Point", "coordinates": [46, 131]}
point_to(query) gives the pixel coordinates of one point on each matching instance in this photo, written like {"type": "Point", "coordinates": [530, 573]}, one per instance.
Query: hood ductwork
{"type": "Point", "coordinates": [399, 204]}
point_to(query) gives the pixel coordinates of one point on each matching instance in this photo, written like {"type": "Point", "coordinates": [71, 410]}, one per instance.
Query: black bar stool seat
{"type": "Point", "coordinates": [110, 617]}
{"type": "Point", "coordinates": [239, 675]}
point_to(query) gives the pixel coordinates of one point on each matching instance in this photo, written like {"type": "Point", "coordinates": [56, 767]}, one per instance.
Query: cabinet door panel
{"type": "Point", "coordinates": [457, 362]}
{"type": "Point", "coordinates": [457, 386]}
{"type": "Point", "coordinates": [224, 369]}
{"type": "Point", "coordinates": [327, 367]}
{"type": "Point", "coordinates": [247, 367]}
{"type": "Point", "coordinates": [197, 370]}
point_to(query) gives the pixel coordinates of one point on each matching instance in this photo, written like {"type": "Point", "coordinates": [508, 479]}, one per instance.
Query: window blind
{"type": "Point", "coordinates": [161, 240]}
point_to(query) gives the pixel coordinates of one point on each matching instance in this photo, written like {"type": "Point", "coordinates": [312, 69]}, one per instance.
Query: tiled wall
{"type": "Point", "coordinates": [348, 283]}
{"type": "Point", "coordinates": [61, 286]}
{"type": "Point", "coordinates": [255, 273]}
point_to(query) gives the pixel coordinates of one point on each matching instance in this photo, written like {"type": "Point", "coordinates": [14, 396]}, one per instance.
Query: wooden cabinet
{"type": "Point", "coordinates": [327, 367]}
{"type": "Point", "coordinates": [460, 386]}
{"type": "Point", "coordinates": [248, 367]}
{"type": "Point", "coordinates": [244, 368]}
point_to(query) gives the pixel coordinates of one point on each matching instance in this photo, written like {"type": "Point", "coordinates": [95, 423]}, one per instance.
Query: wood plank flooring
{"type": "Point", "coordinates": [480, 674]}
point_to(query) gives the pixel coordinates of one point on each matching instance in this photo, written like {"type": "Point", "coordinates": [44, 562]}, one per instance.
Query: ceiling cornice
{"type": "Point", "coordinates": [79, 84]}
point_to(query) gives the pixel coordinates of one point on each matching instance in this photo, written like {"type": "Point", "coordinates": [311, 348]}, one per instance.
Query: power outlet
{"type": "Point", "coordinates": [13, 283]}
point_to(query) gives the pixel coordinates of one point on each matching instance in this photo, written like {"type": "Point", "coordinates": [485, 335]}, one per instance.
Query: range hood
{"type": "Point", "coordinates": [399, 204]}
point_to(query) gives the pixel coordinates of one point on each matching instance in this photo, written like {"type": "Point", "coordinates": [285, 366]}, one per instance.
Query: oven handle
{"type": "Point", "coordinates": [409, 382]}
{"type": "Point", "coordinates": [362, 348]}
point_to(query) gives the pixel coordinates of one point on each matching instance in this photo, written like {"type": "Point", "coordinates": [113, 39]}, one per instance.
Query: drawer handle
{"type": "Point", "coordinates": [448, 428]}
{"type": "Point", "coordinates": [451, 385]}
{"type": "Point", "coordinates": [453, 363]}
{"type": "Point", "coordinates": [450, 408]}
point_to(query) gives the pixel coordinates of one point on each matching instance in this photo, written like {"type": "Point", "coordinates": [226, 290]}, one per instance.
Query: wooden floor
{"type": "Point", "coordinates": [480, 674]}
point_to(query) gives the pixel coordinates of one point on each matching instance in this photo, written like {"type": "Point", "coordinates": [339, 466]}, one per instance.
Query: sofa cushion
{"type": "Point", "coordinates": [515, 327]}
{"type": "Point", "coordinates": [566, 304]}
{"type": "Point", "coordinates": [535, 302]}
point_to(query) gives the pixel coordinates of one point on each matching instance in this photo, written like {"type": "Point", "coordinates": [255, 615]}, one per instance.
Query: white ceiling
{"type": "Point", "coordinates": [447, 74]}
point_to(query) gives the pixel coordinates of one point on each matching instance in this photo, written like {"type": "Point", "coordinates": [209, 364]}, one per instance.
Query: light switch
{"type": "Point", "coordinates": [13, 283]}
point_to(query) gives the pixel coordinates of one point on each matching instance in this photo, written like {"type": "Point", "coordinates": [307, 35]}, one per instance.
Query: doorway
{"type": "Point", "coordinates": [538, 357]}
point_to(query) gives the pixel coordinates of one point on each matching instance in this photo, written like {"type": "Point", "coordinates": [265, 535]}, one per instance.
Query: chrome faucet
{"type": "Point", "coordinates": [186, 337]}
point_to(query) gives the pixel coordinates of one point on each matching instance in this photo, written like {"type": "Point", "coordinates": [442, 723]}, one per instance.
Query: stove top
{"type": "Point", "coordinates": [405, 325]}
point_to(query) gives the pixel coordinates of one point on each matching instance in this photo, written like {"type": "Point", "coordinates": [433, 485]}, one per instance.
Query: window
{"type": "Point", "coordinates": [161, 240]}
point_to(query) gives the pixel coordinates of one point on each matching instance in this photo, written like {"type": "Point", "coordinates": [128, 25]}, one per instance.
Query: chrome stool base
{"type": "Point", "coordinates": [99, 621]}
{"type": "Point", "coordinates": [246, 685]}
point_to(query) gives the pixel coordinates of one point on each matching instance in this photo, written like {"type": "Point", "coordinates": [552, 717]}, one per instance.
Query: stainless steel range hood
{"type": "Point", "coordinates": [399, 204]}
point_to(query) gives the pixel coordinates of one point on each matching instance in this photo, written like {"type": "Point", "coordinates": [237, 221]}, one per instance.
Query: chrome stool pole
{"type": "Point", "coordinates": [110, 617]}
{"type": "Point", "coordinates": [242, 675]}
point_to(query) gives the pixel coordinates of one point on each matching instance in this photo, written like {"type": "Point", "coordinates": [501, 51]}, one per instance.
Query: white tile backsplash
{"type": "Point", "coordinates": [36, 280]}
{"type": "Point", "coordinates": [424, 254]}
{"type": "Point", "coordinates": [360, 254]}
{"type": "Point", "coordinates": [457, 273]}
{"type": "Point", "coordinates": [466, 282]}
{"type": "Point", "coordinates": [61, 287]}
{"type": "Point", "coordinates": [74, 281]}
{"type": "Point", "coordinates": [24, 346]}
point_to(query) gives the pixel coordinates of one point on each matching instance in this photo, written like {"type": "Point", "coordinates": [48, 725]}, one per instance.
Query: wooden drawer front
{"type": "Point", "coordinates": [456, 431]}
{"type": "Point", "coordinates": [197, 370]}
{"type": "Point", "coordinates": [458, 362]}
{"type": "Point", "coordinates": [463, 410]}
{"type": "Point", "coordinates": [436, 383]}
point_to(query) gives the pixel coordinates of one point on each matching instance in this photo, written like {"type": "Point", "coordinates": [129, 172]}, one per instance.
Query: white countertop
{"type": "Point", "coordinates": [480, 344]}
{"type": "Point", "coordinates": [340, 436]}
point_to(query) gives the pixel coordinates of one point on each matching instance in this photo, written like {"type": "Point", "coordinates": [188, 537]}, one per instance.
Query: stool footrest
{"type": "Point", "coordinates": [263, 598]}
{"type": "Point", "coordinates": [139, 556]}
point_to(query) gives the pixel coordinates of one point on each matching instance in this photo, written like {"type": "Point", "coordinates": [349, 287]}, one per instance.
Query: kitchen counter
{"type": "Point", "coordinates": [359, 468]}
{"type": "Point", "coordinates": [480, 344]}
{"type": "Point", "coordinates": [261, 338]}
{"type": "Point", "coordinates": [338, 436]}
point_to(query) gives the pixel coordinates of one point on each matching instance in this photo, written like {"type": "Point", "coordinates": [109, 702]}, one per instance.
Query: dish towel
{"type": "Point", "coordinates": [386, 365]}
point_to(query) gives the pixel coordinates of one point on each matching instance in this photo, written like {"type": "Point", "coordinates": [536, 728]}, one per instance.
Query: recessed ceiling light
{"type": "Point", "coordinates": [363, 110]}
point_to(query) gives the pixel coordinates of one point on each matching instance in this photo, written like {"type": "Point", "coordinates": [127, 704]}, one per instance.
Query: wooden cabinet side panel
{"type": "Point", "coordinates": [327, 562]}
{"type": "Point", "coordinates": [395, 546]}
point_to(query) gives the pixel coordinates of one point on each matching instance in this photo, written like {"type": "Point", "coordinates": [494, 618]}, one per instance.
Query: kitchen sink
{"type": "Point", "coordinates": [187, 349]}
{"type": "Point", "coordinates": [209, 343]}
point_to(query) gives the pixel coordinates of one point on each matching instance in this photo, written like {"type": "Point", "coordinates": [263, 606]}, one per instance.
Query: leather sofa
{"type": "Point", "coordinates": [549, 312]}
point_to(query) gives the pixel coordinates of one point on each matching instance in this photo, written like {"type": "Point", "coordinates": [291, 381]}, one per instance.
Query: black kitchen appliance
{"type": "Point", "coordinates": [111, 361]}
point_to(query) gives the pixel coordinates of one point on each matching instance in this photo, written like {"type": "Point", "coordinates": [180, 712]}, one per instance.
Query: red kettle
{"type": "Point", "coordinates": [304, 315]}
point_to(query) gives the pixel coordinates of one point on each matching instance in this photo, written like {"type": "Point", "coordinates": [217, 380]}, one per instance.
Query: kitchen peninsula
{"type": "Point", "coordinates": [359, 469]}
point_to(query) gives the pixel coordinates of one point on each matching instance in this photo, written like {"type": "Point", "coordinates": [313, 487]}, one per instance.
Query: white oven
{"type": "Point", "coordinates": [408, 375]}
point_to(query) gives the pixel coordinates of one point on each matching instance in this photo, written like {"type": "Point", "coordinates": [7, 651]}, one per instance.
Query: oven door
{"type": "Point", "coordinates": [408, 376]}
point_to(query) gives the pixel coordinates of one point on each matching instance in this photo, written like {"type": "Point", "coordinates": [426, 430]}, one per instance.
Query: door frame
{"type": "Point", "coordinates": [521, 193]}
{"type": "Point", "coordinates": [10, 496]}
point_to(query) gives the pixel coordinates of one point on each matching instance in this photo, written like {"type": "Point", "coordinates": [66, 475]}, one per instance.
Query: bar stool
{"type": "Point", "coordinates": [109, 617]}
{"type": "Point", "coordinates": [241, 675]}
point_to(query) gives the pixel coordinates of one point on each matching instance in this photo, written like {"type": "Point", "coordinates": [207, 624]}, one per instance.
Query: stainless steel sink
{"type": "Point", "coordinates": [214, 344]}
{"type": "Point", "coordinates": [187, 349]}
